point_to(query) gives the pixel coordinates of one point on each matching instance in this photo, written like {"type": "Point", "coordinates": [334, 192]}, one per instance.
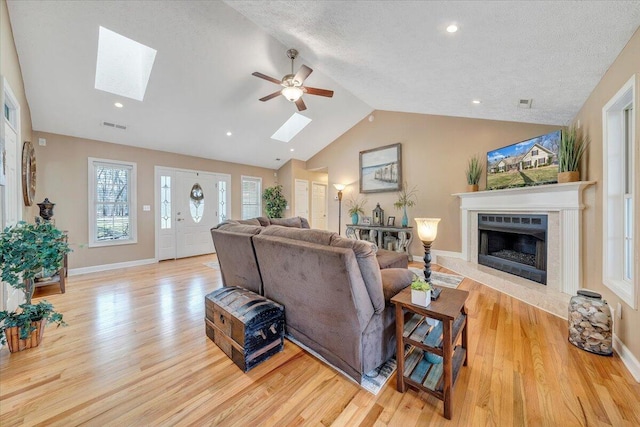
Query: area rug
{"type": "Point", "coordinates": [212, 264]}
{"type": "Point", "coordinates": [441, 279]}
{"type": "Point", "coordinates": [371, 381]}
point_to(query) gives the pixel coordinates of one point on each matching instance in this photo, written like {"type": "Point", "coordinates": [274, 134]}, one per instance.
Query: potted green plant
{"type": "Point", "coordinates": [406, 198]}
{"type": "Point", "coordinates": [420, 291]}
{"type": "Point", "coordinates": [474, 172]}
{"type": "Point", "coordinates": [356, 206]}
{"type": "Point", "coordinates": [572, 147]}
{"type": "Point", "coordinates": [274, 201]}
{"type": "Point", "coordinates": [27, 250]}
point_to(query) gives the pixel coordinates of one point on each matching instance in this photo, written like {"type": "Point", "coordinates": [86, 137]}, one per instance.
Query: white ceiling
{"type": "Point", "coordinates": [385, 55]}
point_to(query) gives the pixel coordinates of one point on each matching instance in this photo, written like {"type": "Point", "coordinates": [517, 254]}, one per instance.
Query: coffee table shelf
{"type": "Point", "coordinates": [429, 334]}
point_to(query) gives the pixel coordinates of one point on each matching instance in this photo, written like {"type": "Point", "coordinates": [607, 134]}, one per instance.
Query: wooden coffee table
{"type": "Point", "coordinates": [432, 333]}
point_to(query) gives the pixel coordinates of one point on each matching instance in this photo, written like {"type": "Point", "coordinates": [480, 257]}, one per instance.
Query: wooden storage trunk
{"type": "Point", "coordinates": [247, 327]}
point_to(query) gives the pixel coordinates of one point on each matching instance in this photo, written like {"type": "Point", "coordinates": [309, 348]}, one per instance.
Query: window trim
{"type": "Point", "coordinates": [612, 132]}
{"type": "Point", "coordinates": [255, 179]}
{"type": "Point", "coordinates": [133, 214]}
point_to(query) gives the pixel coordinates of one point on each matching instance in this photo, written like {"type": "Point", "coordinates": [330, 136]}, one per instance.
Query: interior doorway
{"type": "Point", "coordinates": [301, 198]}
{"type": "Point", "coordinates": [319, 201]}
{"type": "Point", "coordinates": [188, 204]}
{"type": "Point", "coordinates": [10, 192]}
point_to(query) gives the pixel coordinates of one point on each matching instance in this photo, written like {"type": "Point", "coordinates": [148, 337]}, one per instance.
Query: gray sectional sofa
{"type": "Point", "coordinates": [335, 294]}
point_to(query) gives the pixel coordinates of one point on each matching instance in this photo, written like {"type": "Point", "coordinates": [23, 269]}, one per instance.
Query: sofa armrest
{"type": "Point", "coordinates": [394, 280]}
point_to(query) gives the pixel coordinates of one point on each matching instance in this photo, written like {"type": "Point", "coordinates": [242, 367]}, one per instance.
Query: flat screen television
{"type": "Point", "coordinates": [525, 163]}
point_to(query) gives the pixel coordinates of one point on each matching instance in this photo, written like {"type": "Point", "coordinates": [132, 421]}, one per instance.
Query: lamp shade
{"type": "Point", "coordinates": [292, 93]}
{"type": "Point", "coordinates": [427, 228]}
{"type": "Point", "coordinates": [339, 187]}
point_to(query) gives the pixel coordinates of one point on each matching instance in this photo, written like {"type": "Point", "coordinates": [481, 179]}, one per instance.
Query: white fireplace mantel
{"type": "Point", "coordinates": [564, 234]}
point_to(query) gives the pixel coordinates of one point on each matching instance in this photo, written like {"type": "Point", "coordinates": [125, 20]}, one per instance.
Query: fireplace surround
{"type": "Point", "coordinates": [562, 204]}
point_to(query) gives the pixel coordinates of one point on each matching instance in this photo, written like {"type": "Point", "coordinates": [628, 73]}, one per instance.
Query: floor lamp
{"type": "Point", "coordinates": [339, 187]}
{"type": "Point", "coordinates": [427, 231]}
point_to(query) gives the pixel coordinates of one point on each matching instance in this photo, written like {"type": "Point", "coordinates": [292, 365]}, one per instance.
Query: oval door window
{"type": "Point", "coordinates": [197, 202]}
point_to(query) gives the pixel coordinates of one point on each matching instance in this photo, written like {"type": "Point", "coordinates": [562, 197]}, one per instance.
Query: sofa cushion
{"type": "Point", "coordinates": [252, 221]}
{"type": "Point", "coordinates": [236, 227]}
{"type": "Point", "coordinates": [264, 221]}
{"type": "Point", "coordinates": [287, 222]}
{"type": "Point", "coordinates": [321, 237]}
{"type": "Point", "coordinates": [394, 280]}
{"type": "Point", "coordinates": [392, 259]}
{"type": "Point", "coordinates": [366, 257]}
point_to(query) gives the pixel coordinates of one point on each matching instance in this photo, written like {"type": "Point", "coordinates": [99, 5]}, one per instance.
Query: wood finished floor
{"type": "Point", "coordinates": [135, 354]}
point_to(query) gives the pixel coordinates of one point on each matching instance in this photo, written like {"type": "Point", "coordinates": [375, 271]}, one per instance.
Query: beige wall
{"type": "Point", "coordinates": [435, 151]}
{"type": "Point", "coordinates": [10, 70]}
{"type": "Point", "coordinates": [63, 174]}
{"type": "Point", "coordinates": [590, 116]}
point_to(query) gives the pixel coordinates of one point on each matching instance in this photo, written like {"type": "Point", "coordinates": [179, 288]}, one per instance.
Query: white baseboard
{"type": "Point", "coordinates": [629, 360]}
{"type": "Point", "coordinates": [436, 253]}
{"type": "Point", "coordinates": [106, 267]}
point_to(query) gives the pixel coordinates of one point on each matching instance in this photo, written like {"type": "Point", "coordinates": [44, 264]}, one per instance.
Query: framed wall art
{"type": "Point", "coordinates": [381, 169]}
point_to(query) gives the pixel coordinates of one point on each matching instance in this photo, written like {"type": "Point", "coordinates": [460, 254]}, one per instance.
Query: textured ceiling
{"type": "Point", "coordinates": [374, 54]}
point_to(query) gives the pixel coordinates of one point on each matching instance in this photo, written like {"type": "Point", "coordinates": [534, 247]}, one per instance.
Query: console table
{"type": "Point", "coordinates": [376, 234]}
{"type": "Point", "coordinates": [433, 361]}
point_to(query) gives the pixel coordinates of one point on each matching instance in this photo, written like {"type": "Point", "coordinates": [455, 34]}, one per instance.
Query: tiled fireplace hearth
{"type": "Point", "coordinates": [561, 205]}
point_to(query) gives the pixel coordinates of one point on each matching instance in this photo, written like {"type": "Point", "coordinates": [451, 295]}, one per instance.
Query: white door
{"type": "Point", "coordinates": [319, 206]}
{"type": "Point", "coordinates": [302, 198]}
{"type": "Point", "coordinates": [12, 200]}
{"type": "Point", "coordinates": [189, 203]}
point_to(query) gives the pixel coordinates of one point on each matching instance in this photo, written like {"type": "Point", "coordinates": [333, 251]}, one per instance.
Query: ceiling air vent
{"type": "Point", "coordinates": [525, 103]}
{"type": "Point", "coordinates": [113, 125]}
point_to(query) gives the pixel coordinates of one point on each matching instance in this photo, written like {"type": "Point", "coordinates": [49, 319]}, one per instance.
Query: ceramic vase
{"type": "Point", "coordinates": [405, 219]}
{"type": "Point", "coordinates": [354, 219]}
{"type": "Point", "coordinates": [422, 298]}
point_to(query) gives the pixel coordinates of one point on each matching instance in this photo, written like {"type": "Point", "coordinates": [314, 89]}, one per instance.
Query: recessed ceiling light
{"type": "Point", "coordinates": [291, 149]}
{"type": "Point", "coordinates": [229, 133]}
{"type": "Point", "coordinates": [476, 101]}
{"type": "Point", "coordinates": [452, 28]}
{"type": "Point", "coordinates": [118, 104]}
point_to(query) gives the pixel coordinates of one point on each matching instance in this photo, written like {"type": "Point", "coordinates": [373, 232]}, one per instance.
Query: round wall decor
{"type": "Point", "coordinates": [28, 173]}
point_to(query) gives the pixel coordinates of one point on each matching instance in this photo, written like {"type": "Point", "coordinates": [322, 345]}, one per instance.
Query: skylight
{"type": "Point", "coordinates": [291, 127]}
{"type": "Point", "coordinates": [123, 66]}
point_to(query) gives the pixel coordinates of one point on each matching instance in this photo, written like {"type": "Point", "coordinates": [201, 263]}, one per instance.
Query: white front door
{"type": "Point", "coordinates": [319, 206]}
{"type": "Point", "coordinates": [302, 198]}
{"type": "Point", "coordinates": [189, 203]}
{"type": "Point", "coordinates": [196, 202]}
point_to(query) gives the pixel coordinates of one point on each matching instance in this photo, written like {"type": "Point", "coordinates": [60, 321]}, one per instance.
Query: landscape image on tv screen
{"type": "Point", "coordinates": [530, 162]}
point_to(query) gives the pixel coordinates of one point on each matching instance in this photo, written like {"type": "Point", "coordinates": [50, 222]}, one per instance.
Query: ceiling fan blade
{"type": "Point", "coordinates": [316, 91]}
{"type": "Point", "coordinates": [300, 105]}
{"type": "Point", "coordinates": [268, 97]}
{"type": "Point", "coordinates": [262, 76]}
{"type": "Point", "coordinates": [302, 74]}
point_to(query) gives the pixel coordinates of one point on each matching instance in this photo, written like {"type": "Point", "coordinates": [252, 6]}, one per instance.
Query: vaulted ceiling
{"type": "Point", "coordinates": [384, 55]}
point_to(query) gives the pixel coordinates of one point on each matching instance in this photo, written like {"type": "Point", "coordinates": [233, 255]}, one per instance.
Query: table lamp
{"type": "Point", "coordinates": [427, 231]}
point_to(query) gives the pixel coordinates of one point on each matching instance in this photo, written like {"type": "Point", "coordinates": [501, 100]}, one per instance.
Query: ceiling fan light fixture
{"type": "Point", "coordinates": [292, 93]}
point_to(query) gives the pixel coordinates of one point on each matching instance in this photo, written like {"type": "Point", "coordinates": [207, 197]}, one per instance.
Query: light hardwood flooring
{"type": "Point", "coordinates": [135, 354]}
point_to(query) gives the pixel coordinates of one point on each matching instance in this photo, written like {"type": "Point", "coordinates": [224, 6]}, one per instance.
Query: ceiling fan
{"type": "Point", "coordinates": [292, 84]}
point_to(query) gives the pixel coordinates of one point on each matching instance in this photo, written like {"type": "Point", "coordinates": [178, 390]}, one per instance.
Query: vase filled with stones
{"type": "Point", "coordinates": [590, 323]}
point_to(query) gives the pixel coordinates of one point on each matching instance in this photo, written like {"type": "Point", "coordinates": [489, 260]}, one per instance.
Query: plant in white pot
{"type": "Point", "coordinates": [27, 250]}
{"type": "Point", "coordinates": [420, 291]}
